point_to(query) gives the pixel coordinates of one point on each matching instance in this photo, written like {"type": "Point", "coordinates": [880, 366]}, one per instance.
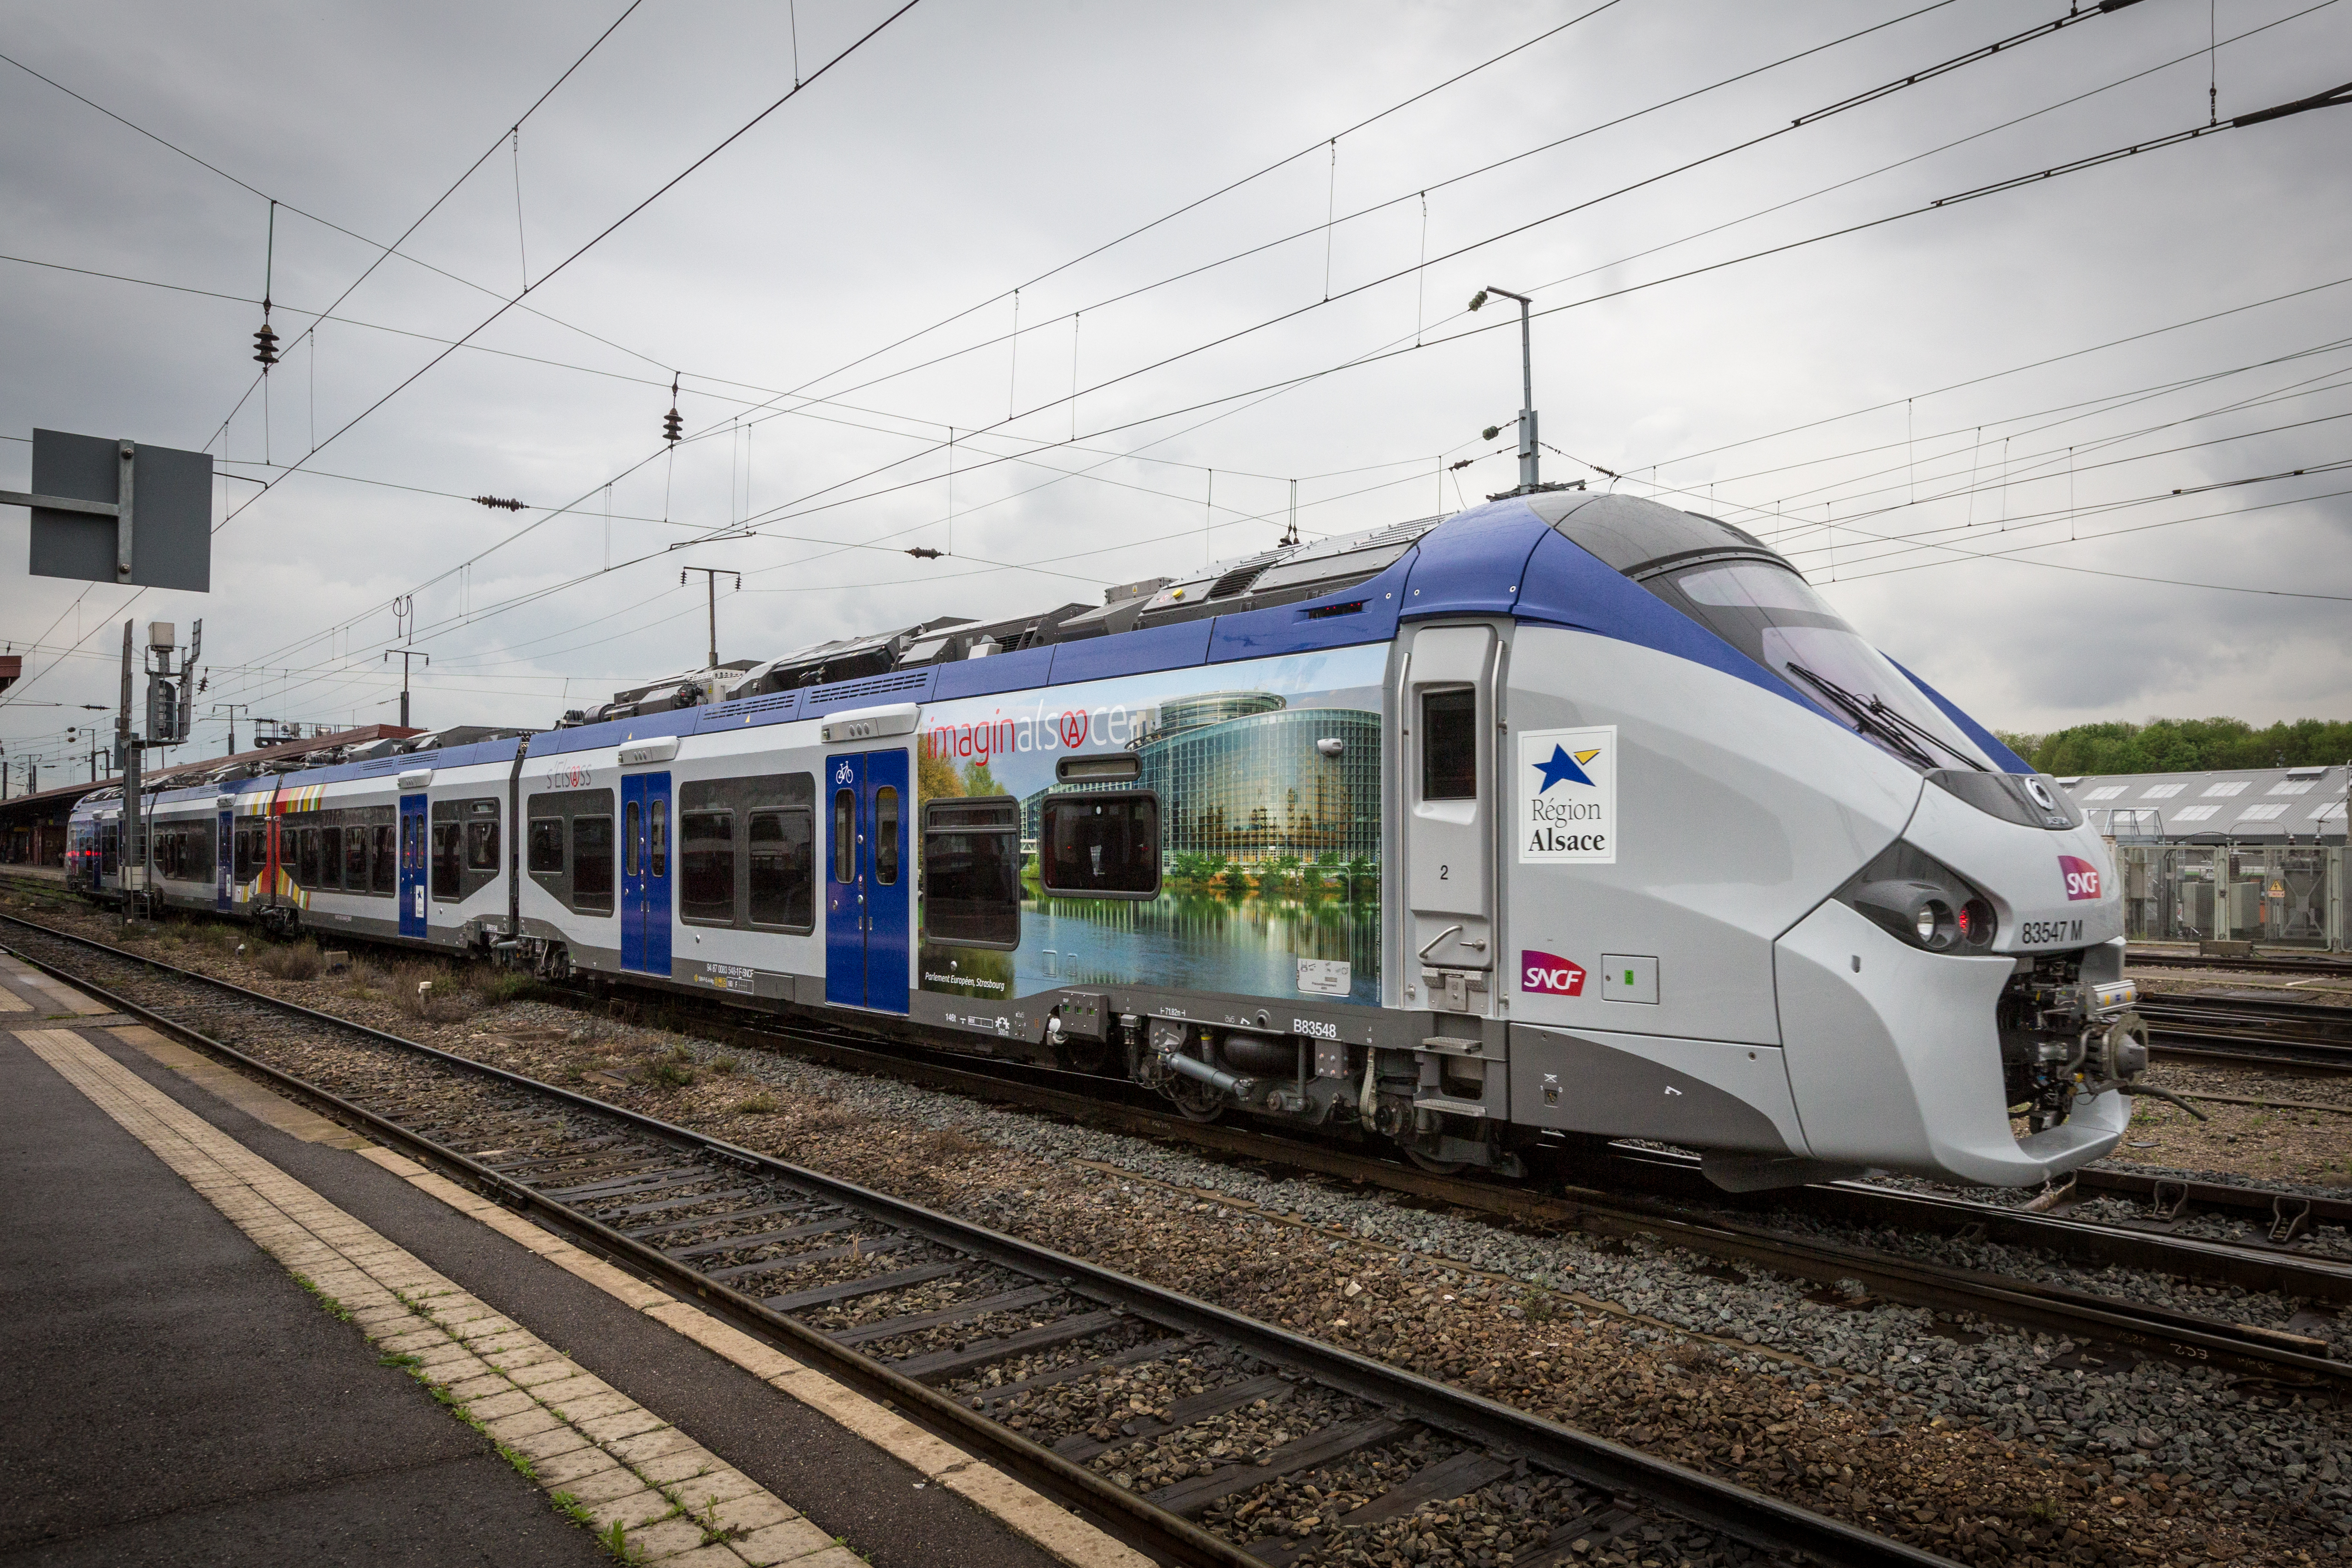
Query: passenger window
{"type": "Point", "coordinates": [592, 864]}
{"type": "Point", "coordinates": [386, 869]}
{"type": "Point", "coordinates": [784, 870]}
{"type": "Point", "coordinates": [1449, 744]}
{"type": "Point", "coordinates": [1100, 846]}
{"type": "Point", "coordinates": [845, 836]}
{"type": "Point", "coordinates": [658, 838]}
{"type": "Point", "coordinates": [632, 846]}
{"type": "Point", "coordinates": [482, 845]}
{"type": "Point", "coordinates": [307, 857]}
{"type": "Point", "coordinates": [971, 871]}
{"type": "Point", "coordinates": [706, 861]}
{"type": "Point", "coordinates": [355, 865]}
{"type": "Point", "coordinates": [449, 850]}
{"type": "Point", "coordinates": [241, 858]}
{"type": "Point", "coordinates": [547, 846]}
{"type": "Point", "coordinates": [885, 836]}
{"type": "Point", "coordinates": [330, 857]}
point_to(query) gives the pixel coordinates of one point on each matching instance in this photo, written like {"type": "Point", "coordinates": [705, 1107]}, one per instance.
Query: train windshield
{"type": "Point", "coordinates": [1774, 616]}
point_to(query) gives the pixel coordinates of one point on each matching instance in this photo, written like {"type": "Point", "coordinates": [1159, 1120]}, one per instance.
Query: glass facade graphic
{"type": "Point", "coordinates": [1243, 775]}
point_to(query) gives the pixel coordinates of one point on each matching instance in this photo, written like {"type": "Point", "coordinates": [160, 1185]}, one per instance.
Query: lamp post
{"type": "Point", "coordinates": [1527, 479]}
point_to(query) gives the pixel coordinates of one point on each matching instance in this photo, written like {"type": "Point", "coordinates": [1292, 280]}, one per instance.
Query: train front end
{"type": "Point", "coordinates": [1841, 927]}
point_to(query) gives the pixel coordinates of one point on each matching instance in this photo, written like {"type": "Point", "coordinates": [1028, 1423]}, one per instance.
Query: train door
{"type": "Point", "coordinates": [1450, 790]}
{"type": "Point", "coordinates": [224, 858]}
{"type": "Point", "coordinates": [413, 882]}
{"type": "Point", "coordinates": [865, 894]}
{"type": "Point", "coordinates": [645, 873]}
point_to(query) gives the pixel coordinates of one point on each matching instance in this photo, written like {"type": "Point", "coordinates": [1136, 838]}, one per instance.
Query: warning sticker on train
{"type": "Point", "coordinates": [1567, 795]}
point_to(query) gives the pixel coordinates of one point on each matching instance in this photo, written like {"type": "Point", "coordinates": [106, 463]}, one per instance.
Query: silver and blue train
{"type": "Point", "coordinates": [1568, 814]}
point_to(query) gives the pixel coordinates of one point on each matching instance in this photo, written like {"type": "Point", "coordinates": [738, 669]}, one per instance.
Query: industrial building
{"type": "Point", "coordinates": [2231, 855]}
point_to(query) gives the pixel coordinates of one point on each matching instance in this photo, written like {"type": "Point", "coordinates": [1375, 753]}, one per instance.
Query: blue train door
{"type": "Point", "coordinates": [413, 858]}
{"type": "Point", "coordinates": [224, 864]}
{"type": "Point", "coordinates": [865, 884]}
{"type": "Point", "coordinates": [645, 873]}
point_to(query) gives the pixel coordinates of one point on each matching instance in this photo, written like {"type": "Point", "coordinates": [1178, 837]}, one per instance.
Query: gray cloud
{"type": "Point", "coordinates": [968, 148]}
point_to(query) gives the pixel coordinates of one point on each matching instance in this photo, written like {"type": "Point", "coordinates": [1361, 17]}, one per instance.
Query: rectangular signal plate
{"type": "Point", "coordinates": [1626, 977]}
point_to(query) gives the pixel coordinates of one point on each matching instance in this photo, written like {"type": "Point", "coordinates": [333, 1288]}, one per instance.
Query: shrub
{"type": "Point", "coordinates": [761, 1104]}
{"type": "Point", "coordinates": [670, 1074]}
{"type": "Point", "coordinates": [290, 961]}
{"type": "Point", "coordinates": [499, 987]}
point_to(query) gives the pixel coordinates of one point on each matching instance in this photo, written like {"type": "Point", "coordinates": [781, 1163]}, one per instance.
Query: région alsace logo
{"type": "Point", "coordinates": [1567, 795]}
{"type": "Point", "coordinates": [1548, 971]}
{"type": "Point", "coordinates": [2081, 878]}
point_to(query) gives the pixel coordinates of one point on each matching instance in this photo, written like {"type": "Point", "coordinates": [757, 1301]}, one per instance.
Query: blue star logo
{"type": "Point", "coordinates": [1561, 768]}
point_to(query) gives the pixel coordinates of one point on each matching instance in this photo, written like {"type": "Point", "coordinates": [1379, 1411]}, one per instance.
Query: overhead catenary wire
{"type": "Point", "coordinates": [1078, 390]}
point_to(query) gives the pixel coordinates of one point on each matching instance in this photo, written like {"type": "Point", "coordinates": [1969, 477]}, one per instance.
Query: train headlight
{"type": "Point", "coordinates": [1921, 900]}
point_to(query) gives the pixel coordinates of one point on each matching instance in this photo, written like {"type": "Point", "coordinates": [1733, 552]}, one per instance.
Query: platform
{"type": "Point", "coordinates": [235, 1326]}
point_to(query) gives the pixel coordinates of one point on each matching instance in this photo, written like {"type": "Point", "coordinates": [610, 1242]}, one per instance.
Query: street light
{"type": "Point", "coordinates": [1527, 479]}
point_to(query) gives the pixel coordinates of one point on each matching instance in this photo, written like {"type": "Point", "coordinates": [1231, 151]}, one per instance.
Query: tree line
{"type": "Point", "coordinates": [2183, 746]}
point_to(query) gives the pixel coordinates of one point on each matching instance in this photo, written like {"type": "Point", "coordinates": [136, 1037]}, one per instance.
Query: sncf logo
{"type": "Point", "coordinates": [1549, 973]}
{"type": "Point", "coordinates": [2082, 878]}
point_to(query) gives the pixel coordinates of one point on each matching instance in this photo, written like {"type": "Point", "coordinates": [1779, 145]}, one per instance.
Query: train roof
{"type": "Point", "coordinates": [1566, 557]}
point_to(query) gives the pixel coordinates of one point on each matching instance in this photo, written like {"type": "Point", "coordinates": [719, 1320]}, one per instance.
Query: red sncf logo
{"type": "Point", "coordinates": [1549, 973]}
{"type": "Point", "coordinates": [2082, 878]}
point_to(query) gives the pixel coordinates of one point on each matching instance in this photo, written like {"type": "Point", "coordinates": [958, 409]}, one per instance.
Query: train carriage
{"type": "Point", "coordinates": [1569, 815]}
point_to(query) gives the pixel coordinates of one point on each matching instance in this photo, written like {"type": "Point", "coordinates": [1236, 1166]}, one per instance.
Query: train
{"type": "Point", "coordinates": [1569, 815]}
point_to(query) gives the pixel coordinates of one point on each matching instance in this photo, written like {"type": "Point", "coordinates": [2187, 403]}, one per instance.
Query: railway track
{"type": "Point", "coordinates": [828, 1271]}
{"type": "Point", "coordinates": [2251, 1030]}
{"type": "Point", "coordinates": [2271, 963]}
{"type": "Point", "coordinates": [1693, 1214]}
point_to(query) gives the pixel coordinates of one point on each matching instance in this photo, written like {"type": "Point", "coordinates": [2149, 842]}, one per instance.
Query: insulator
{"type": "Point", "coordinates": [498, 502]}
{"type": "Point", "coordinates": [673, 426]}
{"type": "Point", "coordinates": [924, 553]}
{"type": "Point", "coordinates": [265, 344]}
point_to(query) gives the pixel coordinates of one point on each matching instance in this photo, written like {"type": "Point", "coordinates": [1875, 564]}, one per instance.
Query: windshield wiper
{"type": "Point", "coordinates": [1868, 717]}
{"type": "Point", "coordinates": [1878, 706]}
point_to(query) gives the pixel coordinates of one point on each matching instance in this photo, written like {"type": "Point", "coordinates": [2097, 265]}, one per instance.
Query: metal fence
{"type": "Point", "coordinates": [2289, 897]}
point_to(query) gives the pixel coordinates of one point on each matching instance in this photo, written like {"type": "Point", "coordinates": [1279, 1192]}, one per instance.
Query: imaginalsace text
{"type": "Point", "coordinates": [1115, 724]}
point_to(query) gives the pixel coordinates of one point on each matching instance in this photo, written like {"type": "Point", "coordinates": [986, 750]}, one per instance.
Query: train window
{"type": "Point", "coordinates": [707, 859]}
{"type": "Point", "coordinates": [1773, 616]}
{"type": "Point", "coordinates": [885, 836]}
{"type": "Point", "coordinates": [110, 849]}
{"type": "Point", "coordinates": [547, 846]}
{"type": "Point", "coordinates": [330, 857]}
{"type": "Point", "coordinates": [1100, 846]}
{"type": "Point", "coordinates": [592, 864]}
{"type": "Point", "coordinates": [355, 859]}
{"type": "Point", "coordinates": [241, 855]}
{"type": "Point", "coordinates": [1449, 744]}
{"type": "Point", "coordinates": [385, 873]}
{"type": "Point", "coordinates": [631, 847]}
{"type": "Point", "coordinates": [784, 870]}
{"type": "Point", "coordinates": [448, 860]}
{"type": "Point", "coordinates": [971, 871]}
{"type": "Point", "coordinates": [658, 838]}
{"type": "Point", "coordinates": [482, 845]}
{"type": "Point", "coordinates": [306, 858]}
{"type": "Point", "coordinates": [845, 836]}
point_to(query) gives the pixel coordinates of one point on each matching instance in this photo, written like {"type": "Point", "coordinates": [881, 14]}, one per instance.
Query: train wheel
{"type": "Point", "coordinates": [1198, 1101]}
{"type": "Point", "coordinates": [1437, 1167]}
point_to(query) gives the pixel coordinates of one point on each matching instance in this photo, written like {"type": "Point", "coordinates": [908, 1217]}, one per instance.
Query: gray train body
{"type": "Point", "coordinates": [1569, 815]}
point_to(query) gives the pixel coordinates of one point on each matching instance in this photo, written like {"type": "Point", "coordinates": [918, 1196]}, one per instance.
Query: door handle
{"type": "Point", "coordinates": [1441, 936]}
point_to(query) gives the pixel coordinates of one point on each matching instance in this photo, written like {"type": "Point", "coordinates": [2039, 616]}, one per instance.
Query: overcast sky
{"type": "Point", "coordinates": [1872, 402]}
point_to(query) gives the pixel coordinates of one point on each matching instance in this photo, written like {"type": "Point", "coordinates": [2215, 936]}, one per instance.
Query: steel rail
{"type": "Point", "coordinates": [1770, 1523]}
{"type": "Point", "coordinates": [2187, 1256]}
{"type": "Point", "coordinates": [2276, 962]}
